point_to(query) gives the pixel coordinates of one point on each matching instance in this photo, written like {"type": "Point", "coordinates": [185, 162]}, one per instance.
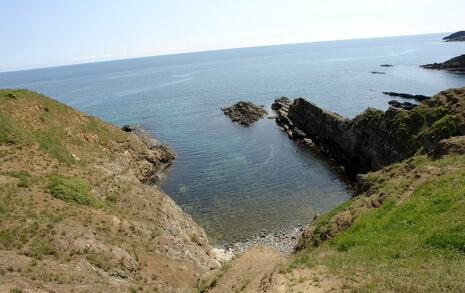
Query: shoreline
{"type": "Point", "coordinates": [281, 240]}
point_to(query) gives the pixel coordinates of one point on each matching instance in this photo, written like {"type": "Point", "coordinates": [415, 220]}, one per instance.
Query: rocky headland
{"type": "Point", "coordinates": [456, 64]}
{"type": "Point", "coordinates": [245, 113]}
{"type": "Point", "coordinates": [375, 138]}
{"type": "Point", "coordinates": [79, 210]}
{"type": "Point", "coordinates": [455, 37]}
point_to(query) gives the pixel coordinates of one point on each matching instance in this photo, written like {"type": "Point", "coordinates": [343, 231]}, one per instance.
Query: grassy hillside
{"type": "Point", "coordinates": [406, 234]}
{"type": "Point", "coordinates": [74, 214]}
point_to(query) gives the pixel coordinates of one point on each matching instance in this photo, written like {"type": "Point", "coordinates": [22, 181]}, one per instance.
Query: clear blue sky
{"type": "Point", "coordinates": [37, 33]}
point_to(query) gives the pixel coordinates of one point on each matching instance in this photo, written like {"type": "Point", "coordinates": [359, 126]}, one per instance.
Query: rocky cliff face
{"type": "Point", "coordinates": [376, 138]}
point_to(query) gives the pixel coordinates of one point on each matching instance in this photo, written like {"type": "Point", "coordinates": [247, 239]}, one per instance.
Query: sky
{"type": "Point", "coordinates": [41, 33]}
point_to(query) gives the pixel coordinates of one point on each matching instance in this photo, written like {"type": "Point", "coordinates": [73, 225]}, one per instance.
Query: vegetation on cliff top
{"type": "Point", "coordinates": [407, 132]}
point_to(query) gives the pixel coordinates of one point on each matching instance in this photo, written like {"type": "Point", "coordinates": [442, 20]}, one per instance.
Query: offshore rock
{"type": "Point", "coordinates": [403, 105]}
{"type": "Point", "coordinates": [418, 98]}
{"type": "Point", "coordinates": [245, 113]}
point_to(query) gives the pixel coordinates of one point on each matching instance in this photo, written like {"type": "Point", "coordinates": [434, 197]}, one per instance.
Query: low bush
{"type": "Point", "coordinates": [73, 189]}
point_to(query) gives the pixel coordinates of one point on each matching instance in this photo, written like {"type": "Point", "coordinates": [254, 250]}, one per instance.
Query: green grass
{"type": "Point", "coordinates": [18, 236]}
{"type": "Point", "coordinates": [10, 132]}
{"type": "Point", "coordinates": [24, 178]}
{"type": "Point", "coordinates": [50, 141]}
{"type": "Point", "coordinates": [73, 189]}
{"type": "Point", "coordinates": [51, 119]}
{"type": "Point", "coordinates": [411, 245]}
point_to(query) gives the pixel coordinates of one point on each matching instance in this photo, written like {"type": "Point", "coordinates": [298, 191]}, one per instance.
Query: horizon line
{"type": "Point", "coordinates": [40, 67]}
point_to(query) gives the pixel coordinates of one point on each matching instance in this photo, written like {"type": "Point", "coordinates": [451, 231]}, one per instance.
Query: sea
{"type": "Point", "coordinates": [237, 181]}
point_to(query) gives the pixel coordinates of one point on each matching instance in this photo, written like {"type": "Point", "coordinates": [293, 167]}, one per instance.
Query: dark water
{"type": "Point", "coordinates": [236, 180]}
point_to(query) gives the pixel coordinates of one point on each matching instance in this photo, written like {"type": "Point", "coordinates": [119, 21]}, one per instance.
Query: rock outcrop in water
{"type": "Point", "coordinates": [402, 105]}
{"type": "Point", "coordinates": [418, 98]}
{"type": "Point", "coordinates": [281, 107]}
{"type": "Point", "coordinates": [455, 37]}
{"type": "Point", "coordinates": [245, 113]}
{"type": "Point", "coordinates": [375, 138]}
{"type": "Point", "coordinates": [456, 64]}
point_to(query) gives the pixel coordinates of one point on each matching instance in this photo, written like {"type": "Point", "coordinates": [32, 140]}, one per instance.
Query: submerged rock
{"type": "Point", "coordinates": [245, 113]}
{"type": "Point", "coordinates": [386, 65]}
{"type": "Point", "coordinates": [378, 72]}
{"type": "Point", "coordinates": [456, 64]}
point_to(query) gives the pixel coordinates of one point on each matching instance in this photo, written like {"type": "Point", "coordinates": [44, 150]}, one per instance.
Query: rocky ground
{"type": "Point", "coordinates": [245, 113]}
{"type": "Point", "coordinates": [282, 241]}
{"type": "Point", "coordinates": [456, 64]}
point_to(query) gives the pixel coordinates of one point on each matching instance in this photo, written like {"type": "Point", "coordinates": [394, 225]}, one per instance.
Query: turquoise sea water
{"type": "Point", "coordinates": [234, 180]}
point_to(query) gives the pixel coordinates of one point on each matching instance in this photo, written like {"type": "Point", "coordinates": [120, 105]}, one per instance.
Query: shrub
{"type": "Point", "coordinates": [73, 189]}
{"type": "Point", "coordinates": [445, 127]}
{"type": "Point", "coordinates": [452, 240]}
